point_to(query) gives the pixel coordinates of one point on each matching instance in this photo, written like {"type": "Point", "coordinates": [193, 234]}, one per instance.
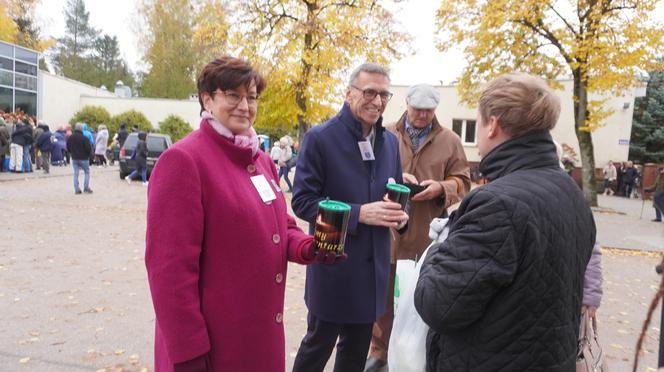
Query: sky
{"type": "Point", "coordinates": [426, 65]}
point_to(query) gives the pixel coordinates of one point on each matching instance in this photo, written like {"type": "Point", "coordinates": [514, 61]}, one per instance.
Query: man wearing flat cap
{"type": "Point", "coordinates": [431, 156]}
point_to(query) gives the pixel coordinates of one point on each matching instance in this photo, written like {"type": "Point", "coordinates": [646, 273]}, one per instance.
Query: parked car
{"type": "Point", "coordinates": [157, 144]}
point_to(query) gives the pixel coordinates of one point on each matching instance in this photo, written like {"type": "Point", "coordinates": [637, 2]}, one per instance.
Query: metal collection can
{"type": "Point", "coordinates": [331, 226]}
{"type": "Point", "coordinates": [398, 193]}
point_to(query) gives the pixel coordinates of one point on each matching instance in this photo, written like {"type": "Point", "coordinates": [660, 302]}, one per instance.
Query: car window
{"type": "Point", "coordinates": [156, 144]}
{"type": "Point", "coordinates": [131, 141]}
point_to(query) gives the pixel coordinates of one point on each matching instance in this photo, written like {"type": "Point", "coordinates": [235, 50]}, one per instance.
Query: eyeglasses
{"type": "Point", "coordinates": [234, 99]}
{"type": "Point", "coordinates": [369, 94]}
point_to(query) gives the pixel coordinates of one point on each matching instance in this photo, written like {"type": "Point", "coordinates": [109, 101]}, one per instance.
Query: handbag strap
{"type": "Point", "coordinates": [594, 327]}
{"type": "Point", "coordinates": [583, 327]}
{"type": "Point", "coordinates": [588, 328]}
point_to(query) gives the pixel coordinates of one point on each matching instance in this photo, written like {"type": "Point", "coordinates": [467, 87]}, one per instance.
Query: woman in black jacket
{"type": "Point", "coordinates": [504, 291]}
{"type": "Point", "coordinates": [140, 157]}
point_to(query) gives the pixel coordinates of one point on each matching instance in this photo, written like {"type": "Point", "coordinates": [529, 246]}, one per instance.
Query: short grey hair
{"type": "Point", "coordinates": [369, 68]}
{"type": "Point", "coordinates": [79, 126]}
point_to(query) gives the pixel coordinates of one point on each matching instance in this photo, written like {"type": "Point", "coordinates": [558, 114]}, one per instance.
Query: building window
{"type": "Point", "coordinates": [465, 129]}
{"type": "Point", "coordinates": [6, 100]}
{"type": "Point", "coordinates": [18, 79]}
{"type": "Point", "coordinates": [26, 55]}
{"type": "Point", "coordinates": [27, 102]}
{"type": "Point", "coordinates": [6, 64]}
{"type": "Point", "coordinates": [26, 82]}
{"type": "Point", "coordinates": [6, 78]}
{"type": "Point", "coordinates": [6, 50]}
{"type": "Point", "coordinates": [26, 68]}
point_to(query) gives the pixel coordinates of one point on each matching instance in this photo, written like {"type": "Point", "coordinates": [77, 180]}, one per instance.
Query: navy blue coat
{"type": "Point", "coordinates": [330, 165]}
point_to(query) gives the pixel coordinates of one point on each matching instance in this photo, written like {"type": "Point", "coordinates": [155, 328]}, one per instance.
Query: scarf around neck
{"type": "Point", "coordinates": [247, 140]}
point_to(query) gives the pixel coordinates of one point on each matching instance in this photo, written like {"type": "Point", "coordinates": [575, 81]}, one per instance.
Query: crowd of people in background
{"type": "Point", "coordinates": [24, 141]}
{"type": "Point", "coordinates": [624, 180]}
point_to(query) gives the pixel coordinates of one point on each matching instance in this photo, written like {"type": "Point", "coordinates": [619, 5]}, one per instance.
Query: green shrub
{"type": "Point", "coordinates": [175, 126]}
{"type": "Point", "coordinates": [92, 115]}
{"type": "Point", "coordinates": [130, 118]}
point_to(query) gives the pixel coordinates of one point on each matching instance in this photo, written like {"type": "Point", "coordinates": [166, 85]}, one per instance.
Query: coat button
{"type": "Point", "coordinates": [251, 168]}
{"type": "Point", "coordinates": [279, 278]}
{"type": "Point", "coordinates": [279, 317]}
{"type": "Point", "coordinates": [276, 238]}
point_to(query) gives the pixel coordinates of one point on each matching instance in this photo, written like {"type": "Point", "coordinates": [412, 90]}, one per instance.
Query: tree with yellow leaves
{"type": "Point", "coordinates": [180, 37]}
{"type": "Point", "coordinates": [601, 43]}
{"type": "Point", "coordinates": [7, 26]}
{"type": "Point", "coordinates": [17, 25]}
{"type": "Point", "coordinates": [306, 48]}
{"type": "Point", "coordinates": [168, 48]}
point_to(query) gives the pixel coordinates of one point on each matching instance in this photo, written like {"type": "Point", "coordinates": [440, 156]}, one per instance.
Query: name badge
{"type": "Point", "coordinates": [366, 150]}
{"type": "Point", "coordinates": [263, 188]}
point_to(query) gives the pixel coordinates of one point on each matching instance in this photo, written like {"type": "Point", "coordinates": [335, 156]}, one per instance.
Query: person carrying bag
{"type": "Point", "coordinates": [590, 357]}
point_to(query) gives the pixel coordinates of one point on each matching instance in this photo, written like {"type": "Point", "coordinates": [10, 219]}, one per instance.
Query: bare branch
{"type": "Point", "coordinates": [569, 26]}
{"type": "Point", "coordinates": [341, 4]}
{"type": "Point", "coordinates": [543, 31]}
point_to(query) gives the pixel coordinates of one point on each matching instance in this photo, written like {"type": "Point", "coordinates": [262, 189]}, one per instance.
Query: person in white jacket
{"type": "Point", "coordinates": [101, 142]}
{"type": "Point", "coordinates": [286, 155]}
{"type": "Point", "coordinates": [610, 175]}
{"type": "Point", "coordinates": [275, 153]}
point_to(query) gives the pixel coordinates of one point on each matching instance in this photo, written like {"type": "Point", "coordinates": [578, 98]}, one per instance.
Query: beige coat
{"type": "Point", "coordinates": [610, 172]}
{"type": "Point", "coordinates": [440, 157]}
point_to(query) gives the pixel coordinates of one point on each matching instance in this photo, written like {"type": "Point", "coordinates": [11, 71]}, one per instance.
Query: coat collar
{"type": "Point", "coordinates": [400, 127]}
{"type": "Point", "coordinates": [347, 119]}
{"type": "Point", "coordinates": [236, 153]}
{"type": "Point", "coordinates": [401, 124]}
{"type": "Point", "coordinates": [532, 150]}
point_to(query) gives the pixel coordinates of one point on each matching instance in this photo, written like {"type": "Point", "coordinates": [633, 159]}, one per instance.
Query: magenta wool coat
{"type": "Point", "coordinates": [216, 256]}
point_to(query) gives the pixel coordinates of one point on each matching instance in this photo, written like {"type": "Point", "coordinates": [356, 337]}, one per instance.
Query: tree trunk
{"type": "Point", "coordinates": [302, 128]}
{"type": "Point", "coordinates": [588, 180]}
{"type": "Point", "coordinates": [303, 83]}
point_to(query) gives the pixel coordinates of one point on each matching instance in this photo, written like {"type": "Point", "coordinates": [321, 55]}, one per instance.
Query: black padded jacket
{"type": "Point", "coordinates": [504, 291]}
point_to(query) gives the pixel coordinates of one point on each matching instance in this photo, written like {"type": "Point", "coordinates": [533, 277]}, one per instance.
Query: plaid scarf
{"type": "Point", "coordinates": [417, 135]}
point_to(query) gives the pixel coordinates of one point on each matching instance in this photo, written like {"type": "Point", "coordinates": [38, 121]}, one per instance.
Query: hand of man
{"type": "Point", "coordinates": [590, 309]}
{"type": "Point", "coordinates": [382, 213]}
{"type": "Point", "coordinates": [434, 189]}
{"type": "Point", "coordinates": [409, 178]}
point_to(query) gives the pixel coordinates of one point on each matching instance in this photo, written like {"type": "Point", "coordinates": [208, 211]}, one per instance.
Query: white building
{"type": "Point", "coordinates": [61, 98]}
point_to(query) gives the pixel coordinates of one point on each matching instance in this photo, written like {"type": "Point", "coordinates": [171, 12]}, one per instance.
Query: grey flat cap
{"type": "Point", "coordinates": [423, 96]}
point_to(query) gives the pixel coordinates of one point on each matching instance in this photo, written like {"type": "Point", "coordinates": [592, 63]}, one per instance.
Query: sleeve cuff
{"type": "Point", "coordinates": [354, 219]}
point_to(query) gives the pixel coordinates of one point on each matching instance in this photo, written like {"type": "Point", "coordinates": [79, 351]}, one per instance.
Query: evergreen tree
{"type": "Point", "coordinates": [84, 56]}
{"type": "Point", "coordinates": [647, 139]}
{"type": "Point", "coordinates": [75, 47]}
{"type": "Point", "coordinates": [109, 65]}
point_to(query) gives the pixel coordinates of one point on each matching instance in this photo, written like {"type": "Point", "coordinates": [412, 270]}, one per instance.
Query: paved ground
{"type": "Point", "coordinates": [74, 297]}
{"type": "Point", "coordinates": [626, 223]}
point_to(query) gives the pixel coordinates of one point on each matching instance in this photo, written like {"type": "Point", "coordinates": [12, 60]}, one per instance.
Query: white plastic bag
{"type": "Point", "coordinates": [407, 349]}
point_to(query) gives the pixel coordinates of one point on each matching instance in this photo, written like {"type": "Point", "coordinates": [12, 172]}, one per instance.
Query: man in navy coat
{"type": "Point", "coordinates": [350, 158]}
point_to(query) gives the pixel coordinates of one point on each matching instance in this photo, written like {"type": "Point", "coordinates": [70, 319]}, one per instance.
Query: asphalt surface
{"type": "Point", "coordinates": [74, 294]}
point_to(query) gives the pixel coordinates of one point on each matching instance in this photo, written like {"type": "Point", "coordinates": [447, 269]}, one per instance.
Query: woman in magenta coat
{"type": "Point", "coordinates": [219, 237]}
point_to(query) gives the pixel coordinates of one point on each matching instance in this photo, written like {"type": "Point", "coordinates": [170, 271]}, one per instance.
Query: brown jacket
{"type": "Point", "coordinates": [656, 187]}
{"type": "Point", "coordinates": [440, 157]}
